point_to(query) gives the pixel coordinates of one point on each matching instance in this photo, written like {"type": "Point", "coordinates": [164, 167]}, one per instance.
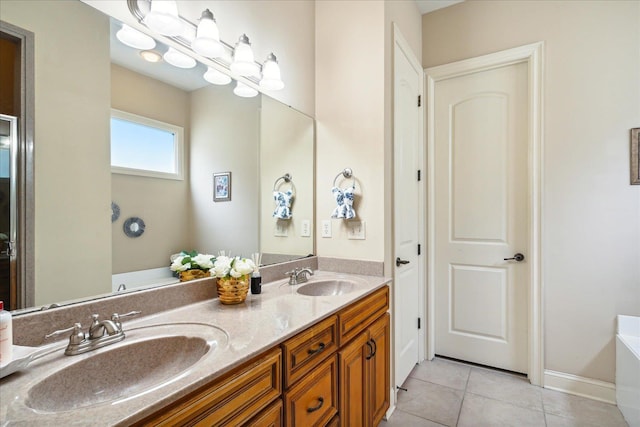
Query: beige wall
{"type": "Point", "coordinates": [350, 121]}
{"type": "Point", "coordinates": [71, 140]}
{"type": "Point", "coordinates": [286, 146]}
{"type": "Point", "coordinates": [224, 137]}
{"type": "Point", "coordinates": [163, 204]}
{"type": "Point", "coordinates": [354, 82]}
{"type": "Point", "coordinates": [591, 215]}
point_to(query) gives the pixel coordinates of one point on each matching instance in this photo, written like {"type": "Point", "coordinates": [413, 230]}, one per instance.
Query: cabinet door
{"type": "Point", "coordinates": [379, 366]}
{"type": "Point", "coordinates": [353, 381]}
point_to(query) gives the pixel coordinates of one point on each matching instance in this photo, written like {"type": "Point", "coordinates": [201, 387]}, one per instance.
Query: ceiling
{"type": "Point", "coordinates": [427, 6]}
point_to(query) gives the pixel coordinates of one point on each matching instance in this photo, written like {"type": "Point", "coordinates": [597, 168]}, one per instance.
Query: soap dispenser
{"type": "Point", "coordinates": [6, 336]}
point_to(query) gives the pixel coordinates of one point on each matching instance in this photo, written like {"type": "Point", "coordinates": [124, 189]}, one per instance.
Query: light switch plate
{"type": "Point", "coordinates": [326, 228]}
{"type": "Point", "coordinates": [280, 229]}
{"type": "Point", "coordinates": [355, 230]}
{"type": "Point", "coordinates": [306, 228]}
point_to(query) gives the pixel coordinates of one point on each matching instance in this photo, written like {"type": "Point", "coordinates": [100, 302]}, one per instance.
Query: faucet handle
{"type": "Point", "coordinates": [116, 317]}
{"type": "Point", "coordinates": [77, 336]}
{"type": "Point", "coordinates": [292, 272]}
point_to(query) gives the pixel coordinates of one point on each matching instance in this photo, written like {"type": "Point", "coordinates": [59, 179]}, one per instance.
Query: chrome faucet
{"type": "Point", "coordinates": [299, 275]}
{"type": "Point", "coordinates": [101, 333]}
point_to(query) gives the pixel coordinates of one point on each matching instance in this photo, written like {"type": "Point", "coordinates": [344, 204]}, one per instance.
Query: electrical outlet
{"type": "Point", "coordinates": [326, 228]}
{"type": "Point", "coordinates": [306, 228]}
{"type": "Point", "coordinates": [355, 230]}
{"type": "Point", "coordinates": [280, 229]}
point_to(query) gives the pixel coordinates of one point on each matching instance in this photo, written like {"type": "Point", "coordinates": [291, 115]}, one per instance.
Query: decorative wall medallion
{"type": "Point", "coordinates": [115, 211]}
{"type": "Point", "coordinates": [133, 227]}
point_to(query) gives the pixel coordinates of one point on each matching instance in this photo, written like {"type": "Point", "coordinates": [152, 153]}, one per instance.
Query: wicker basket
{"type": "Point", "coordinates": [193, 274]}
{"type": "Point", "coordinates": [233, 291]}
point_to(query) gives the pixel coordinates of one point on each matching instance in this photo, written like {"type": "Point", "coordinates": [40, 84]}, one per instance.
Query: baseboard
{"type": "Point", "coordinates": [580, 386]}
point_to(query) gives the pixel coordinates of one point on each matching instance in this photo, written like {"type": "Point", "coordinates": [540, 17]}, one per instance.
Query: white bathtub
{"type": "Point", "coordinates": [143, 278]}
{"type": "Point", "coordinates": [628, 368]}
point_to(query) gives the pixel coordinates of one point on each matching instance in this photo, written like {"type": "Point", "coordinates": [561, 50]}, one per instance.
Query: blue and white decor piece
{"type": "Point", "coordinates": [344, 197]}
{"type": "Point", "coordinates": [283, 199]}
{"type": "Point", "coordinates": [283, 204]}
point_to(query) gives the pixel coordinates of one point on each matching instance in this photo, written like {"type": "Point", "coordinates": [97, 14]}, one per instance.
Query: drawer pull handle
{"type": "Point", "coordinates": [371, 353]}
{"type": "Point", "coordinates": [375, 347]}
{"type": "Point", "coordinates": [315, 408]}
{"type": "Point", "coordinates": [321, 347]}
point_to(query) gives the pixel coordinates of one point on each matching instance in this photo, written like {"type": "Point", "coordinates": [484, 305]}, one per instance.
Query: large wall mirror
{"type": "Point", "coordinates": [82, 75]}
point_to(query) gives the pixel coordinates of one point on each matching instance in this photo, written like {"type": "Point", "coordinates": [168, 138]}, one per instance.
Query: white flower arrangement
{"type": "Point", "coordinates": [226, 267]}
{"type": "Point", "coordinates": [192, 261]}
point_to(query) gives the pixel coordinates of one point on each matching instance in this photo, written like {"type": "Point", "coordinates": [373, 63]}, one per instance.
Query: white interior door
{"type": "Point", "coordinates": [481, 217]}
{"type": "Point", "coordinates": [408, 210]}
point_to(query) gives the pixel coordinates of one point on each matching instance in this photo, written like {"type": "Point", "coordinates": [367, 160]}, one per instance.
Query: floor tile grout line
{"type": "Point", "coordinates": [464, 395]}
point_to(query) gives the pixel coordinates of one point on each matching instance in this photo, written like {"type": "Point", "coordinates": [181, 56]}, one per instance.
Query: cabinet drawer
{"type": "Point", "coordinates": [270, 417]}
{"type": "Point", "coordinates": [238, 396]}
{"type": "Point", "coordinates": [313, 401]}
{"type": "Point", "coordinates": [355, 318]}
{"type": "Point", "coordinates": [307, 349]}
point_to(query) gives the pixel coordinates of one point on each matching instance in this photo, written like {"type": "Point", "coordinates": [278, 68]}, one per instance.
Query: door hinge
{"type": "Point", "coordinates": [419, 249]}
{"type": "Point", "coordinates": [419, 100]}
{"type": "Point", "coordinates": [418, 323]}
{"type": "Point", "coordinates": [419, 175]}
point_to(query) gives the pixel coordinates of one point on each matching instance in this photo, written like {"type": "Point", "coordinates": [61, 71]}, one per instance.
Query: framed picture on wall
{"type": "Point", "coordinates": [222, 187]}
{"type": "Point", "coordinates": [635, 157]}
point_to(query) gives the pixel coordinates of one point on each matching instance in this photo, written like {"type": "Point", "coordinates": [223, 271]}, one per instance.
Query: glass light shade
{"type": "Point", "coordinates": [244, 91]}
{"type": "Point", "coordinates": [179, 59]}
{"type": "Point", "coordinates": [215, 77]}
{"type": "Point", "coordinates": [134, 38]}
{"type": "Point", "coordinates": [151, 56]}
{"type": "Point", "coordinates": [163, 18]}
{"type": "Point", "coordinates": [271, 74]}
{"type": "Point", "coordinates": [207, 41]}
{"type": "Point", "coordinates": [243, 63]}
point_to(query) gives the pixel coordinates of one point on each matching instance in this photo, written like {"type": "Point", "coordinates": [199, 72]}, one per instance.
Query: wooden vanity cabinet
{"type": "Point", "coordinates": [334, 373]}
{"type": "Point", "coordinates": [364, 375]}
{"type": "Point", "coordinates": [234, 399]}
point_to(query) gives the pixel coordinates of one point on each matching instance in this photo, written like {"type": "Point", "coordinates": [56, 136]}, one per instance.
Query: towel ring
{"type": "Point", "coordinates": [347, 173]}
{"type": "Point", "coordinates": [286, 177]}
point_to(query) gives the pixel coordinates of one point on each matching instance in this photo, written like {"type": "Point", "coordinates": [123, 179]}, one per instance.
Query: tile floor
{"type": "Point", "coordinates": [449, 393]}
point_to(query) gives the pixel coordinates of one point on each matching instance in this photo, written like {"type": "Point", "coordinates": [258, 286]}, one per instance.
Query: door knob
{"type": "Point", "coordinates": [400, 262]}
{"type": "Point", "coordinates": [517, 257]}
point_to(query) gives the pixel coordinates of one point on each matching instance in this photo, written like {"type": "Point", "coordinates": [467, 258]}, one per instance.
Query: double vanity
{"type": "Point", "coordinates": [315, 353]}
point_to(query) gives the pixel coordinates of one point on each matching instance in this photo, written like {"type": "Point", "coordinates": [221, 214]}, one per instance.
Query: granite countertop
{"type": "Point", "coordinates": [241, 332]}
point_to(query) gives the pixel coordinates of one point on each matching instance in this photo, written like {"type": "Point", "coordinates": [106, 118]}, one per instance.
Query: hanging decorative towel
{"type": "Point", "coordinates": [344, 198]}
{"type": "Point", "coordinates": [283, 199]}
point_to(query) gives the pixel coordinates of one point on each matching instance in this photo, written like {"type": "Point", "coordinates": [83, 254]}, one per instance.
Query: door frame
{"type": "Point", "coordinates": [25, 206]}
{"type": "Point", "coordinates": [532, 55]}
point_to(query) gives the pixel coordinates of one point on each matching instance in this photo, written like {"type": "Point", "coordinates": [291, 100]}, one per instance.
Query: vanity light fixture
{"type": "Point", "coordinates": [151, 56]}
{"type": "Point", "coordinates": [216, 77]}
{"type": "Point", "coordinates": [244, 90]}
{"type": "Point", "coordinates": [134, 38]}
{"type": "Point", "coordinates": [271, 74]}
{"type": "Point", "coordinates": [163, 18]}
{"type": "Point", "coordinates": [243, 63]}
{"type": "Point", "coordinates": [207, 41]}
{"type": "Point", "coordinates": [204, 39]}
{"type": "Point", "coordinates": [179, 59]}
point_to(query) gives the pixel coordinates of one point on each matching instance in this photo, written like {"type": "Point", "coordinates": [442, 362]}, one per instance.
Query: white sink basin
{"type": "Point", "coordinates": [149, 358]}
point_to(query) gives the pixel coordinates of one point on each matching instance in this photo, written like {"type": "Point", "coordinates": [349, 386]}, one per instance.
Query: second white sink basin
{"type": "Point", "coordinates": [152, 358]}
{"type": "Point", "coordinates": [328, 287]}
